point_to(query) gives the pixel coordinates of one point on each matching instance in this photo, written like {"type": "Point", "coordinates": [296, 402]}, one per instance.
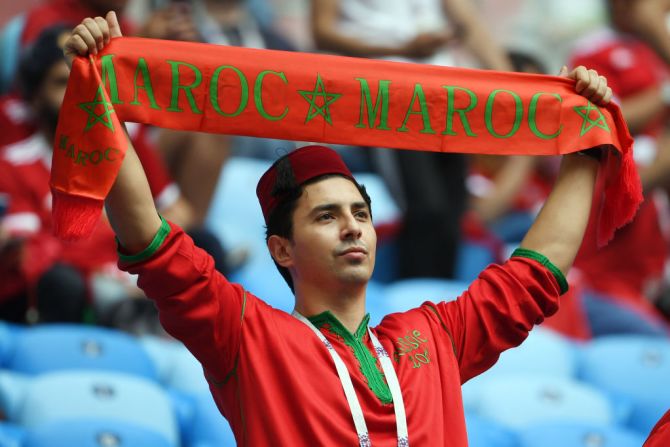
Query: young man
{"type": "Point", "coordinates": [321, 376]}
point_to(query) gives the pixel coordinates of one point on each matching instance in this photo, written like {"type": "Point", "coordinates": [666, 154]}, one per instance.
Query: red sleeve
{"type": "Point", "coordinates": [498, 310]}
{"type": "Point", "coordinates": [196, 304]}
{"type": "Point", "coordinates": [660, 435]}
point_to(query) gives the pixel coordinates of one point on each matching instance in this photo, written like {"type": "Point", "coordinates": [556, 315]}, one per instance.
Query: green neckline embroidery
{"type": "Point", "coordinates": [367, 362]}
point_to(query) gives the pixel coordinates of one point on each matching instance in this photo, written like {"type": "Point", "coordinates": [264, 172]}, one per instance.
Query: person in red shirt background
{"type": "Point", "coordinates": [30, 256]}
{"type": "Point", "coordinates": [624, 278]}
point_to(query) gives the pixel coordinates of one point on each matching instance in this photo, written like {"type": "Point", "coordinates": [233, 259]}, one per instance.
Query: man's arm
{"type": "Point", "coordinates": [475, 36]}
{"type": "Point", "coordinates": [325, 14]}
{"type": "Point", "coordinates": [130, 205]}
{"type": "Point", "coordinates": [648, 19]}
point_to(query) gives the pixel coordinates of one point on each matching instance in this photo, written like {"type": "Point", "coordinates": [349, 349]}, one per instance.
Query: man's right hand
{"type": "Point", "coordinates": [91, 36]}
{"type": "Point", "coordinates": [425, 45]}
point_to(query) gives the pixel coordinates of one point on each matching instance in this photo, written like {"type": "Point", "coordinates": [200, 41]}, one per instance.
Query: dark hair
{"type": "Point", "coordinates": [280, 220]}
{"type": "Point", "coordinates": [37, 59]}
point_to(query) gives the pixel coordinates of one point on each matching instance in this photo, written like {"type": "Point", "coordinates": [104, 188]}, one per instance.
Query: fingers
{"type": "Point", "coordinates": [564, 72]}
{"type": "Point", "coordinates": [591, 85]}
{"type": "Point", "coordinates": [91, 36]}
{"type": "Point", "coordinates": [113, 22]}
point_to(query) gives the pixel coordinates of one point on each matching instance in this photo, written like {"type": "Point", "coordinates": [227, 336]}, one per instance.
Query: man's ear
{"type": "Point", "coordinates": [280, 250]}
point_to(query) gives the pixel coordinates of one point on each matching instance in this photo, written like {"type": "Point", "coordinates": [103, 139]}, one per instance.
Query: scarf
{"type": "Point", "coordinates": [320, 98]}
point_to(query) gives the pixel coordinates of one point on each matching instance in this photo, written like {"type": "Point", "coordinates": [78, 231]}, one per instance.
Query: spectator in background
{"type": "Point", "coordinates": [42, 273]}
{"type": "Point", "coordinates": [430, 186]}
{"type": "Point", "coordinates": [626, 275]}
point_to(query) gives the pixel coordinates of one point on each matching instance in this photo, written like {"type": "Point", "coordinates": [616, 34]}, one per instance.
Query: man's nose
{"type": "Point", "coordinates": [351, 227]}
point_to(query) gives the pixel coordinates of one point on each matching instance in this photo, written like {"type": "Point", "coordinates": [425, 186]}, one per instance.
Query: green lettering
{"type": "Point", "coordinates": [143, 69]}
{"type": "Point", "coordinates": [214, 92]}
{"type": "Point", "coordinates": [176, 87]}
{"type": "Point", "coordinates": [63, 142]}
{"type": "Point", "coordinates": [532, 115]}
{"type": "Point", "coordinates": [95, 157]}
{"type": "Point", "coordinates": [518, 113]}
{"type": "Point", "coordinates": [107, 73]}
{"type": "Point", "coordinates": [81, 158]}
{"type": "Point", "coordinates": [374, 110]}
{"type": "Point", "coordinates": [70, 151]}
{"type": "Point", "coordinates": [107, 151]}
{"type": "Point", "coordinates": [258, 94]}
{"type": "Point", "coordinates": [418, 94]}
{"type": "Point", "coordinates": [451, 109]}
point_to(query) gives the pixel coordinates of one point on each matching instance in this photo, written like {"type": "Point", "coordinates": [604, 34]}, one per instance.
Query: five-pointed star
{"type": "Point", "coordinates": [589, 123]}
{"type": "Point", "coordinates": [311, 97]}
{"type": "Point", "coordinates": [104, 118]}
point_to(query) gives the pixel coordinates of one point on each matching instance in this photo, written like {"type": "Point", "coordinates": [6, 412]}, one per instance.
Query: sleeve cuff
{"type": "Point", "coordinates": [530, 254]}
{"type": "Point", "coordinates": [145, 254]}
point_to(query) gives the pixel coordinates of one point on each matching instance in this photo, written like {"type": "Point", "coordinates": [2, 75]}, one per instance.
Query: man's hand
{"type": "Point", "coordinates": [589, 84]}
{"type": "Point", "coordinates": [425, 45]}
{"type": "Point", "coordinates": [91, 36]}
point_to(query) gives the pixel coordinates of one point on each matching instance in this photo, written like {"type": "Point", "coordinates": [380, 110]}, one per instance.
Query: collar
{"type": "Point", "coordinates": [330, 321]}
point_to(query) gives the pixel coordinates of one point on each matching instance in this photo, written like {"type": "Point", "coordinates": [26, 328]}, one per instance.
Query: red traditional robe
{"type": "Point", "coordinates": [276, 383]}
{"type": "Point", "coordinates": [660, 435]}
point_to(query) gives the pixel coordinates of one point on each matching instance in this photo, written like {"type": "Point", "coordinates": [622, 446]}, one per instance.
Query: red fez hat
{"type": "Point", "coordinates": [306, 163]}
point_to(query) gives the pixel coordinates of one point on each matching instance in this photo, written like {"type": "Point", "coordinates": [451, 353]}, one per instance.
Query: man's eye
{"type": "Point", "coordinates": [325, 216]}
{"type": "Point", "coordinates": [363, 215]}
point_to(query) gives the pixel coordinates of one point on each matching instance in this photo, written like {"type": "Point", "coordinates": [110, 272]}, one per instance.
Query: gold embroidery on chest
{"type": "Point", "coordinates": [412, 345]}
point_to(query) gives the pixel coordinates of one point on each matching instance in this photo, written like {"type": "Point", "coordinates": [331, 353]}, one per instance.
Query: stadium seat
{"type": "Point", "coordinates": [577, 434]}
{"type": "Point", "coordinates": [60, 347]}
{"type": "Point", "coordinates": [90, 432]}
{"type": "Point", "coordinates": [209, 428]}
{"type": "Point", "coordinates": [177, 368]}
{"type": "Point", "coordinates": [631, 367]}
{"type": "Point", "coordinates": [544, 353]}
{"type": "Point", "coordinates": [520, 401]}
{"type": "Point", "coordinates": [67, 395]}
{"type": "Point", "coordinates": [11, 435]}
{"type": "Point", "coordinates": [486, 433]}
{"type": "Point", "coordinates": [409, 293]}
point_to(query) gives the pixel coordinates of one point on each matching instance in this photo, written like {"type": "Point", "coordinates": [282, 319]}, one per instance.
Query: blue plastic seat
{"type": "Point", "coordinates": [635, 368]}
{"type": "Point", "coordinates": [11, 435]}
{"type": "Point", "coordinates": [544, 353]}
{"type": "Point", "coordinates": [209, 427]}
{"type": "Point", "coordinates": [68, 395]}
{"type": "Point", "coordinates": [520, 401]}
{"type": "Point", "coordinates": [90, 432]}
{"type": "Point", "coordinates": [177, 367]}
{"type": "Point", "coordinates": [409, 293]}
{"type": "Point", "coordinates": [577, 434]}
{"type": "Point", "coordinates": [483, 432]}
{"type": "Point", "coordinates": [60, 347]}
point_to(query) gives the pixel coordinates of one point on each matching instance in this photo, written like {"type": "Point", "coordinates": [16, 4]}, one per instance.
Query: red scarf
{"type": "Point", "coordinates": [328, 99]}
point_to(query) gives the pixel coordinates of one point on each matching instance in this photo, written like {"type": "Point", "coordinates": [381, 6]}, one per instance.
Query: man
{"type": "Point", "coordinates": [302, 380]}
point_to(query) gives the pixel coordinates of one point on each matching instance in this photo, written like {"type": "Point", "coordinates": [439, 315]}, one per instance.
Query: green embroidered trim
{"type": "Point", "coordinates": [155, 244]}
{"type": "Point", "coordinates": [367, 362]}
{"type": "Point", "coordinates": [530, 254]}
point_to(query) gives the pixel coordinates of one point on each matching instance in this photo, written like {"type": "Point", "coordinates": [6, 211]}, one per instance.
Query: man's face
{"type": "Point", "coordinates": [49, 99]}
{"type": "Point", "coordinates": [334, 241]}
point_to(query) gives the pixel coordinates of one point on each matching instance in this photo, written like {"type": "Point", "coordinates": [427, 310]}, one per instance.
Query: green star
{"type": "Point", "coordinates": [589, 123]}
{"type": "Point", "coordinates": [311, 97]}
{"type": "Point", "coordinates": [105, 118]}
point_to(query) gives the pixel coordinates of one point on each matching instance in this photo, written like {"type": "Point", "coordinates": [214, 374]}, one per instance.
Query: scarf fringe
{"type": "Point", "coordinates": [74, 217]}
{"type": "Point", "coordinates": [622, 197]}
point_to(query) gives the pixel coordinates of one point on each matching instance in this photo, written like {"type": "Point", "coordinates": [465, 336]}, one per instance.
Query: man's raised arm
{"type": "Point", "coordinates": [559, 228]}
{"type": "Point", "coordinates": [130, 206]}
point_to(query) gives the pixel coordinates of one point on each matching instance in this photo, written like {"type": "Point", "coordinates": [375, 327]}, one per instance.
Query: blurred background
{"type": "Point", "coordinates": [83, 358]}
